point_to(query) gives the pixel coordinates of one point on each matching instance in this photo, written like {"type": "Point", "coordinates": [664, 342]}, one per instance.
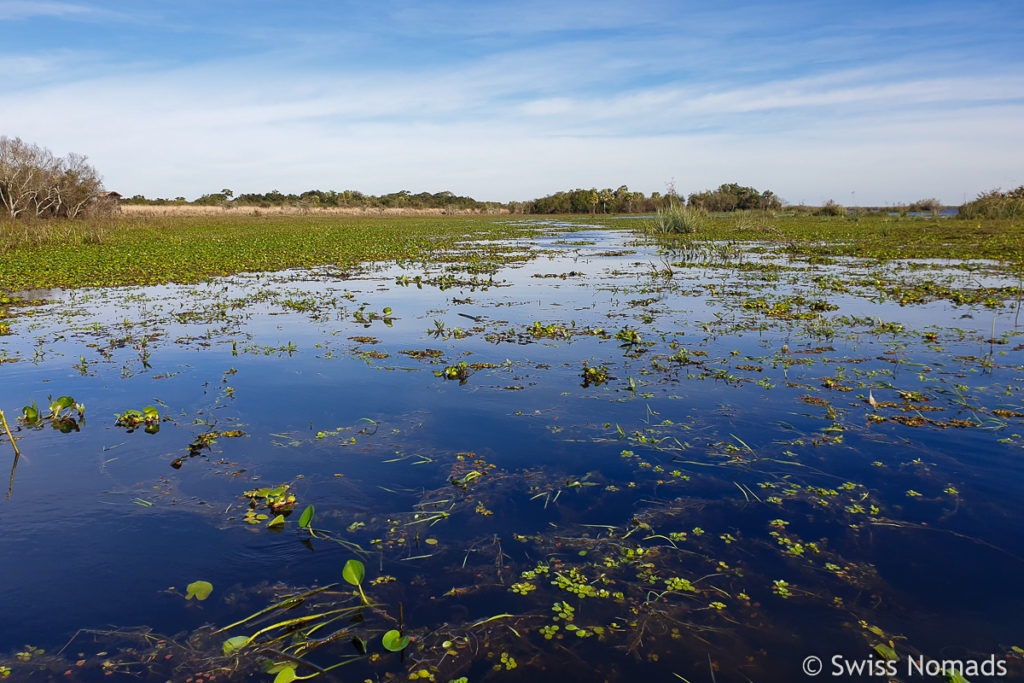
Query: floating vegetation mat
{"type": "Point", "coordinates": [568, 455]}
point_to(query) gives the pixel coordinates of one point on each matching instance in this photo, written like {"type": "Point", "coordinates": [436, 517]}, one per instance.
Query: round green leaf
{"type": "Point", "coordinates": [276, 521]}
{"type": "Point", "coordinates": [353, 572]}
{"type": "Point", "coordinates": [235, 644]}
{"type": "Point", "coordinates": [394, 641]}
{"type": "Point", "coordinates": [307, 517]}
{"type": "Point", "coordinates": [200, 590]}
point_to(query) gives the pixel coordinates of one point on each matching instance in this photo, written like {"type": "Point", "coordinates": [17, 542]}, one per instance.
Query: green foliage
{"type": "Point", "coordinates": [30, 414]}
{"type": "Point", "coordinates": [830, 208]}
{"type": "Point", "coordinates": [677, 219]}
{"type": "Point", "coordinates": [62, 415]}
{"type": "Point", "coordinates": [144, 250]}
{"type": "Point", "coordinates": [133, 419]}
{"type": "Point", "coordinates": [594, 375]}
{"type": "Point", "coordinates": [995, 204]}
{"type": "Point", "coordinates": [733, 197]}
{"type": "Point", "coordinates": [313, 199]}
{"type": "Point", "coordinates": [394, 641]}
{"type": "Point", "coordinates": [620, 200]}
{"type": "Point", "coordinates": [925, 205]}
{"type": "Point", "coordinates": [200, 590]}
{"type": "Point", "coordinates": [307, 517]}
{"type": "Point", "coordinates": [232, 645]}
{"type": "Point", "coordinates": [354, 572]}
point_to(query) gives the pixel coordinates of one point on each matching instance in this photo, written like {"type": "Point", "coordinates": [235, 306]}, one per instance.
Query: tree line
{"type": "Point", "coordinates": [312, 199]}
{"type": "Point", "coordinates": [35, 183]}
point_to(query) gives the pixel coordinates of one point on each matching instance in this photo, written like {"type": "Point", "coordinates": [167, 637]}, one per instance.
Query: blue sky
{"type": "Point", "coordinates": [865, 102]}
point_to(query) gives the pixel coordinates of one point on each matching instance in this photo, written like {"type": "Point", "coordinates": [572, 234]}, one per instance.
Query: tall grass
{"type": "Point", "coordinates": [995, 204]}
{"type": "Point", "coordinates": [54, 232]}
{"type": "Point", "coordinates": [677, 219]}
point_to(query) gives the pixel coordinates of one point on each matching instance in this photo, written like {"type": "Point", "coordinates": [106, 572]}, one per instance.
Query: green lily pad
{"type": "Point", "coordinates": [394, 641]}
{"type": "Point", "coordinates": [307, 517]}
{"type": "Point", "coordinates": [200, 590]}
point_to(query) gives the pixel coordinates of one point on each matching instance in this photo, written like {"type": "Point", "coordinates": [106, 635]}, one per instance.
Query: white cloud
{"type": "Point", "coordinates": [522, 123]}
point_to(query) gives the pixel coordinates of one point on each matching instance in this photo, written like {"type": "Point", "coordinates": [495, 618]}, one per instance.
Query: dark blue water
{"type": "Point", "coordinates": [730, 448]}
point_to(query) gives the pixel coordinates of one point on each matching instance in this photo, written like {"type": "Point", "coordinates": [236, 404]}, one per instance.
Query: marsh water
{"type": "Point", "coordinates": [569, 456]}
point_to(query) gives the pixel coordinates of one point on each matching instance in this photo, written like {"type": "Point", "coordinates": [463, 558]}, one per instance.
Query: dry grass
{"type": "Point", "coordinates": [191, 210]}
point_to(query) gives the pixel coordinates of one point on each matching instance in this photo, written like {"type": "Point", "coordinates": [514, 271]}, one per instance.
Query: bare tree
{"type": "Point", "coordinates": [18, 174]}
{"type": "Point", "coordinates": [33, 180]}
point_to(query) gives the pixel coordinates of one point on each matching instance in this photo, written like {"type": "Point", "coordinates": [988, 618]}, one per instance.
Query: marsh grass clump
{"type": "Point", "coordinates": [995, 204]}
{"type": "Point", "coordinates": [677, 219]}
{"type": "Point", "coordinates": [55, 232]}
{"type": "Point", "coordinates": [830, 208]}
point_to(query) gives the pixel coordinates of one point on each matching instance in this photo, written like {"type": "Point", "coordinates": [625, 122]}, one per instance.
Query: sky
{"type": "Point", "coordinates": [861, 102]}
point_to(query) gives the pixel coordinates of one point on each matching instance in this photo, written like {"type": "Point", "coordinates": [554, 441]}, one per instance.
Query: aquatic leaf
{"type": "Point", "coordinates": [61, 404]}
{"type": "Point", "coordinates": [954, 677]}
{"type": "Point", "coordinates": [276, 522]}
{"type": "Point", "coordinates": [31, 413]}
{"type": "Point", "coordinates": [359, 644]}
{"type": "Point", "coordinates": [886, 652]}
{"type": "Point", "coordinates": [285, 675]}
{"type": "Point", "coordinates": [200, 590]}
{"type": "Point", "coordinates": [307, 517]}
{"type": "Point", "coordinates": [354, 572]}
{"type": "Point", "coordinates": [235, 644]}
{"type": "Point", "coordinates": [394, 641]}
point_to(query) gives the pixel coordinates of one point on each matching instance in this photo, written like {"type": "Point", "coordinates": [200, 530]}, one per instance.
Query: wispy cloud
{"type": "Point", "coordinates": [13, 10]}
{"type": "Point", "coordinates": [551, 99]}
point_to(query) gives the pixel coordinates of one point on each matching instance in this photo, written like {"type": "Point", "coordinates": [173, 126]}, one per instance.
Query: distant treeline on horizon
{"type": "Point", "coordinates": [726, 198]}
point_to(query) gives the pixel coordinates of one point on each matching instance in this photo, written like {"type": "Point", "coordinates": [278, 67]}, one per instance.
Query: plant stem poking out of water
{"type": "Point", "coordinates": [17, 453]}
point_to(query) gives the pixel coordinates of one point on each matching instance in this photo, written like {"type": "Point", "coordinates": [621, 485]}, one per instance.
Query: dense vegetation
{"type": "Point", "coordinates": [995, 204]}
{"type": "Point", "coordinates": [732, 197]}
{"type": "Point", "coordinates": [311, 199]}
{"type": "Point", "coordinates": [131, 249]}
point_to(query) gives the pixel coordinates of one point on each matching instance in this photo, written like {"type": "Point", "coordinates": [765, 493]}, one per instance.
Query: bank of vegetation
{"type": "Point", "coordinates": [59, 227]}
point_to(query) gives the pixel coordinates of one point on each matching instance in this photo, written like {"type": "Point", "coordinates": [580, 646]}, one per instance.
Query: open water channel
{"type": "Point", "coordinates": [588, 459]}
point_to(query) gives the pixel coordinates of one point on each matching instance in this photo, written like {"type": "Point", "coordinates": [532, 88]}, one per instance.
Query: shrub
{"type": "Point", "coordinates": [830, 208]}
{"type": "Point", "coordinates": [995, 204]}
